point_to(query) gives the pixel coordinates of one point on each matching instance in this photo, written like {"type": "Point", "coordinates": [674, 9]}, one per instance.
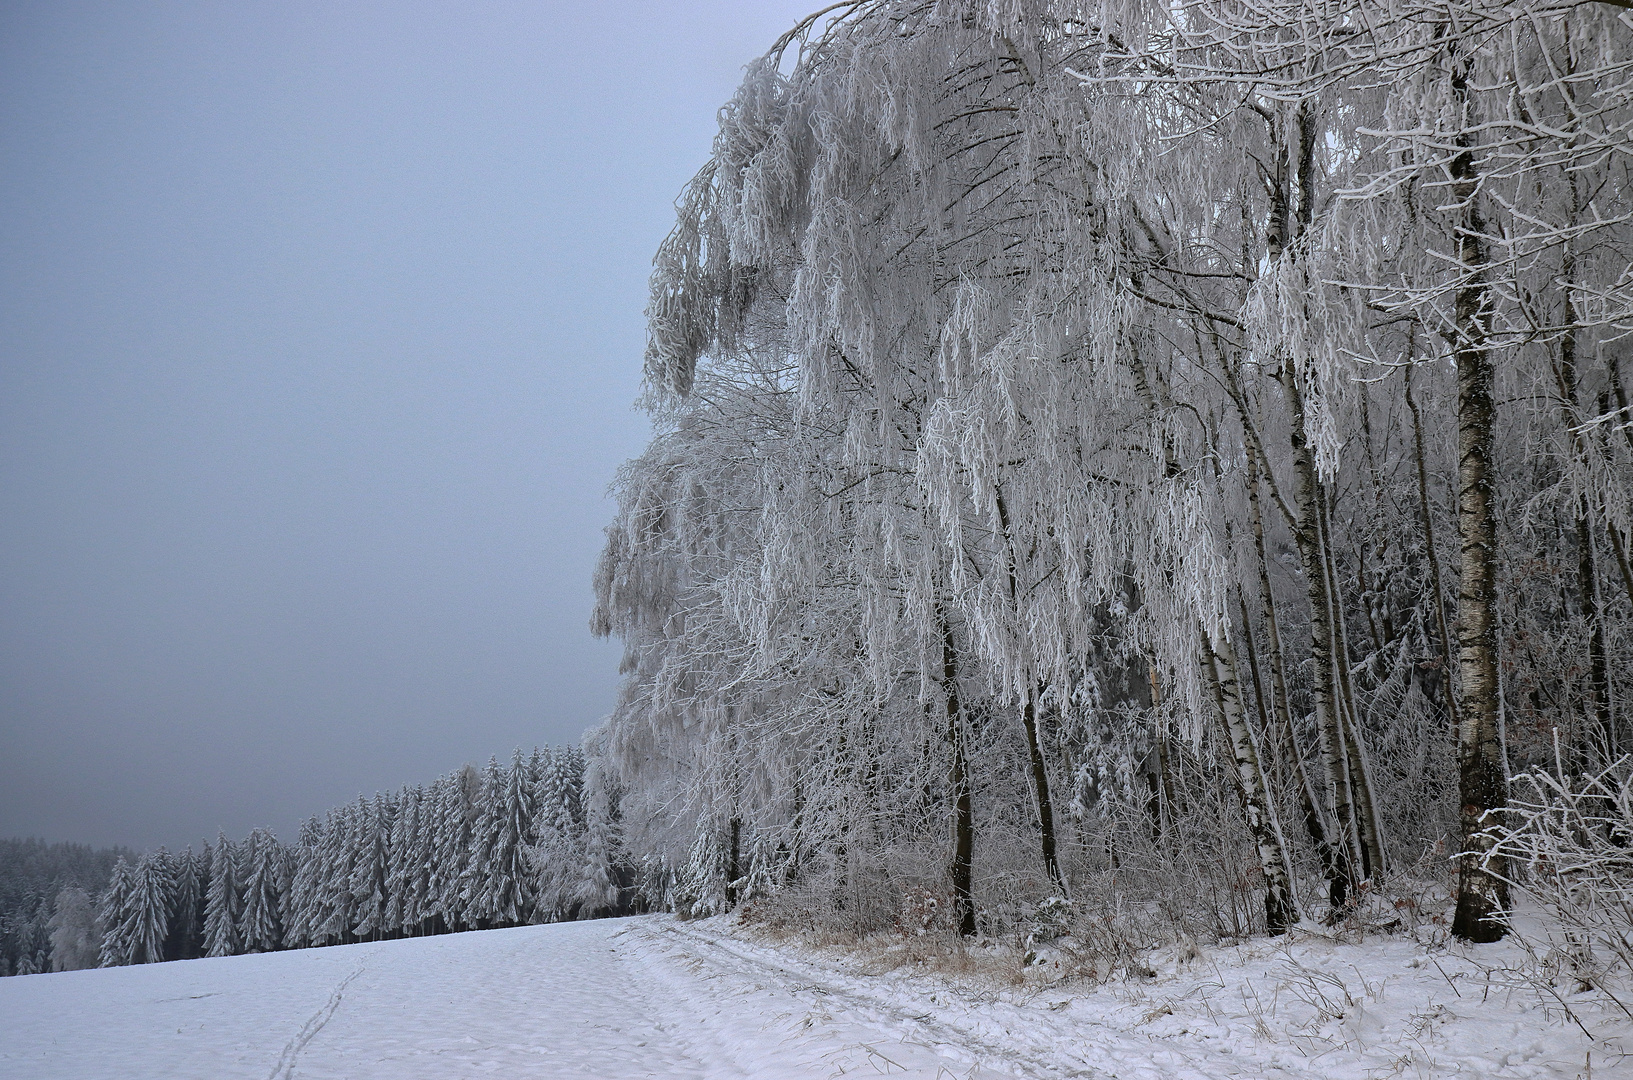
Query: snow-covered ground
{"type": "Point", "coordinates": [656, 997]}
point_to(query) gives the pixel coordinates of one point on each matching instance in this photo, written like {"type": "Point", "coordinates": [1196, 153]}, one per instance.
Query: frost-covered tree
{"type": "Point", "coordinates": [440, 854]}
{"type": "Point", "coordinates": [187, 914]}
{"type": "Point", "coordinates": [605, 870]}
{"type": "Point", "coordinates": [1499, 195]}
{"type": "Point", "coordinates": [25, 939]}
{"type": "Point", "coordinates": [1111, 380]}
{"type": "Point", "coordinates": [463, 853]}
{"type": "Point", "coordinates": [224, 900]}
{"type": "Point", "coordinates": [510, 896]}
{"type": "Point", "coordinates": [371, 866]}
{"type": "Point", "coordinates": [926, 261]}
{"type": "Point", "coordinates": [342, 847]}
{"type": "Point", "coordinates": [408, 865]}
{"type": "Point", "coordinates": [476, 889]}
{"type": "Point", "coordinates": [148, 907]}
{"type": "Point", "coordinates": [458, 810]}
{"type": "Point", "coordinates": [498, 889]}
{"type": "Point", "coordinates": [118, 930]}
{"type": "Point", "coordinates": [260, 924]}
{"type": "Point", "coordinates": [420, 899]}
{"type": "Point", "coordinates": [75, 943]}
{"type": "Point", "coordinates": [33, 873]}
{"type": "Point", "coordinates": [301, 914]}
{"type": "Point", "coordinates": [558, 855]}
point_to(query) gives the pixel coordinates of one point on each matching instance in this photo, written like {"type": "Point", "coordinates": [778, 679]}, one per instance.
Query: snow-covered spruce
{"type": "Point", "coordinates": [507, 846]}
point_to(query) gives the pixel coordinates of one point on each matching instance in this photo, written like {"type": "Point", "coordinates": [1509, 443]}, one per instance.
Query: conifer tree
{"type": "Point", "coordinates": [187, 917]}
{"type": "Point", "coordinates": [152, 886]}
{"type": "Point", "coordinates": [118, 928]}
{"type": "Point", "coordinates": [331, 892]}
{"type": "Point", "coordinates": [537, 762]}
{"type": "Point", "coordinates": [481, 885]}
{"type": "Point", "coordinates": [28, 935]}
{"type": "Point", "coordinates": [434, 829]}
{"type": "Point", "coordinates": [459, 812]}
{"type": "Point", "coordinates": [342, 849]}
{"type": "Point", "coordinates": [369, 884]}
{"type": "Point", "coordinates": [420, 900]}
{"type": "Point", "coordinates": [402, 899]}
{"type": "Point", "coordinates": [300, 915]}
{"type": "Point", "coordinates": [261, 921]}
{"type": "Point", "coordinates": [223, 904]}
{"type": "Point", "coordinates": [557, 854]}
{"type": "Point", "coordinates": [598, 888]}
{"type": "Point", "coordinates": [511, 889]}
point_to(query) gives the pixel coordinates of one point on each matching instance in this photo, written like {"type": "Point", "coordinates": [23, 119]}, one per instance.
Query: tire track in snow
{"type": "Point", "coordinates": [285, 1067]}
{"type": "Point", "coordinates": [896, 1021]}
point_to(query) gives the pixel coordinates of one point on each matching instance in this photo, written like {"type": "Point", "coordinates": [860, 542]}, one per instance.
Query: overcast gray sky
{"type": "Point", "coordinates": [320, 325]}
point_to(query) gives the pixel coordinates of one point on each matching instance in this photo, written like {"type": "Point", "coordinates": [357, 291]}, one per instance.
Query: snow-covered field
{"type": "Point", "coordinates": [656, 997]}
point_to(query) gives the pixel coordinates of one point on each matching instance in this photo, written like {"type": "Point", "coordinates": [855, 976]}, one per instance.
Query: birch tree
{"type": "Point", "coordinates": [1140, 362]}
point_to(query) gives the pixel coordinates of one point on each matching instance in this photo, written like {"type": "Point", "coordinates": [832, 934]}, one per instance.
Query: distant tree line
{"type": "Point", "coordinates": [529, 842]}
{"type": "Point", "coordinates": [33, 876]}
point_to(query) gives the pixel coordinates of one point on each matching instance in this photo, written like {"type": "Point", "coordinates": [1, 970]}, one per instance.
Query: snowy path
{"type": "Point", "coordinates": [653, 997]}
{"type": "Point", "coordinates": [617, 998]}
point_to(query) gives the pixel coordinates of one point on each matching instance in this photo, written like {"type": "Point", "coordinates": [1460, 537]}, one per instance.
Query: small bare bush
{"type": "Point", "coordinates": [1570, 843]}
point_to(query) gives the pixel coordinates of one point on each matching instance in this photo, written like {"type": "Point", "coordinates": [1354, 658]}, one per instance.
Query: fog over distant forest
{"type": "Point", "coordinates": [322, 325]}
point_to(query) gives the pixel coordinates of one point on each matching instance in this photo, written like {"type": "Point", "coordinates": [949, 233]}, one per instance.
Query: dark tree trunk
{"type": "Point", "coordinates": [1482, 892]}
{"type": "Point", "coordinates": [1604, 732]}
{"type": "Point", "coordinates": [1369, 827]}
{"type": "Point", "coordinates": [959, 783]}
{"type": "Point", "coordinates": [1219, 670]}
{"type": "Point", "coordinates": [1441, 622]}
{"type": "Point", "coordinates": [1308, 497]}
{"type": "Point", "coordinates": [1315, 824]}
{"type": "Point", "coordinates": [1158, 777]}
{"type": "Point", "coordinates": [734, 866]}
{"type": "Point", "coordinates": [1040, 789]}
{"type": "Point", "coordinates": [1029, 721]}
{"type": "Point", "coordinates": [1309, 500]}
